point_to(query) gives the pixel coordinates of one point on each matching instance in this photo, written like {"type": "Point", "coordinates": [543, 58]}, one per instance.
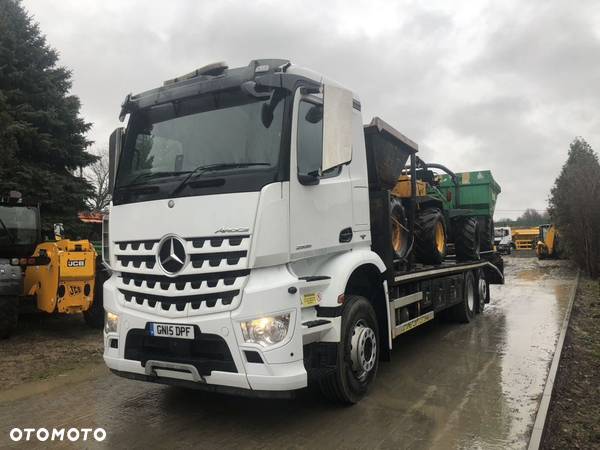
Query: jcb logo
{"type": "Point", "coordinates": [74, 290]}
{"type": "Point", "coordinates": [75, 262]}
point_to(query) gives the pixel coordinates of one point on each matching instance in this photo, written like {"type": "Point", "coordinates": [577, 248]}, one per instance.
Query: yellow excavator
{"type": "Point", "coordinates": [548, 242]}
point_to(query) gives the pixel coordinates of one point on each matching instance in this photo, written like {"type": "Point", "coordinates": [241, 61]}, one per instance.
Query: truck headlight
{"type": "Point", "coordinates": [266, 331]}
{"type": "Point", "coordinates": [111, 321]}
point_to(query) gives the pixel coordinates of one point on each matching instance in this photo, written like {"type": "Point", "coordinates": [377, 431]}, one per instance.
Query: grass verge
{"type": "Point", "coordinates": [574, 417]}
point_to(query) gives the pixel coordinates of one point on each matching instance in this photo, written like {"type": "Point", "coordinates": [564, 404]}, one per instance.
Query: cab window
{"type": "Point", "coordinates": [310, 140]}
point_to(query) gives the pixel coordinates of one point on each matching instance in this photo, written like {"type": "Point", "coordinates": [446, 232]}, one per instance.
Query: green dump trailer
{"type": "Point", "coordinates": [477, 192]}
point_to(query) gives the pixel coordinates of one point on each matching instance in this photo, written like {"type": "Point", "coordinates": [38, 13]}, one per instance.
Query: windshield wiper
{"type": "Point", "coordinates": [213, 167]}
{"type": "Point", "coordinates": [10, 236]}
{"type": "Point", "coordinates": [149, 175]}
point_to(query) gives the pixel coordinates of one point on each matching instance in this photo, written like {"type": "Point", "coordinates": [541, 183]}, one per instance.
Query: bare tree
{"type": "Point", "coordinates": [97, 175]}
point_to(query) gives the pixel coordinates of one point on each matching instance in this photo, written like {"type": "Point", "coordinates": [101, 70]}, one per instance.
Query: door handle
{"type": "Point", "coordinates": [346, 235]}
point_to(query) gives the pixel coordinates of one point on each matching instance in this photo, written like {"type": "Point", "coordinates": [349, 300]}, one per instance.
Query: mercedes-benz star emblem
{"type": "Point", "coordinates": [171, 254]}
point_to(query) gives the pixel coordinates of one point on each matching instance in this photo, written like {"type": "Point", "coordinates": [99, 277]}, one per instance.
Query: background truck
{"type": "Point", "coordinates": [503, 240]}
{"type": "Point", "coordinates": [525, 238]}
{"type": "Point", "coordinates": [55, 276]}
{"type": "Point", "coordinates": [20, 231]}
{"type": "Point", "coordinates": [261, 239]}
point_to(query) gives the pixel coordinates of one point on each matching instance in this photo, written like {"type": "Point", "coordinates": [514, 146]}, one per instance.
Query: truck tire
{"type": "Point", "coordinates": [9, 315]}
{"type": "Point", "coordinates": [466, 241]}
{"type": "Point", "coordinates": [486, 233]}
{"type": "Point", "coordinates": [465, 311]}
{"type": "Point", "coordinates": [430, 236]}
{"type": "Point", "coordinates": [94, 316]}
{"type": "Point", "coordinates": [399, 228]}
{"type": "Point", "coordinates": [357, 356]}
{"type": "Point", "coordinates": [483, 291]}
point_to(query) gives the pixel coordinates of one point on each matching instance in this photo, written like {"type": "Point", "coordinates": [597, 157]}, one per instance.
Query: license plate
{"type": "Point", "coordinates": [171, 330]}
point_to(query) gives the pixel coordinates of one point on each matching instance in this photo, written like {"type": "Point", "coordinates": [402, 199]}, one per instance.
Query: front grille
{"type": "Point", "coordinates": [197, 260]}
{"type": "Point", "coordinates": [212, 281]}
{"type": "Point", "coordinates": [207, 352]}
{"type": "Point", "coordinates": [180, 302]}
{"type": "Point", "coordinates": [192, 281]}
{"type": "Point", "coordinates": [198, 242]}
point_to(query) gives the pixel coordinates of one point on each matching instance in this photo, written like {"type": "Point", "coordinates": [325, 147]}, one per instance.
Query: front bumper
{"type": "Point", "coordinates": [282, 367]}
{"type": "Point", "coordinates": [503, 248]}
{"type": "Point", "coordinates": [206, 387]}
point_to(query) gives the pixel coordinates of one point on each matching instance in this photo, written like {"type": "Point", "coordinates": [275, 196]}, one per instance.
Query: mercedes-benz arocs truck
{"type": "Point", "coordinates": [255, 241]}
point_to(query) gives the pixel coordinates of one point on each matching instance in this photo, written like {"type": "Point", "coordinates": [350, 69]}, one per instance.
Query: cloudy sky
{"type": "Point", "coordinates": [504, 85]}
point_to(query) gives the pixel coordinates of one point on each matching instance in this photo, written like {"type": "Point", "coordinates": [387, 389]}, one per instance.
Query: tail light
{"type": "Point", "coordinates": [41, 260]}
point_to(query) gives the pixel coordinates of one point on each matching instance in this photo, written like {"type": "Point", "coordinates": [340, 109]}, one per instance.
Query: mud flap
{"type": "Point", "coordinates": [495, 276]}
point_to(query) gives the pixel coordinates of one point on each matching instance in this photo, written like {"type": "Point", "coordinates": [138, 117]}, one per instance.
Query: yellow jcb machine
{"type": "Point", "coordinates": [548, 243]}
{"type": "Point", "coordinates": [66, 285]}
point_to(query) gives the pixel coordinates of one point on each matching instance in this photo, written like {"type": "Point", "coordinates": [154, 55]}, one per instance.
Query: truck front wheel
{"type": "Point", "coordinates": [357, 355]}
{"type": "Point", "coordinates": [9, 314]}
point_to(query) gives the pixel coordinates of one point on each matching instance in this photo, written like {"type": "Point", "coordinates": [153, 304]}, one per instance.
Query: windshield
{"type": "Point", "coordinates": [18, 225]}
{"type": "Point", "coordinates": [226, 142]}
{"type": "Point", "coordinates": [500, 232]}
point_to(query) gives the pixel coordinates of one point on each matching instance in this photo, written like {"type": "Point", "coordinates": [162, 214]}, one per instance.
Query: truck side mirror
{"type": "Point", "coordinates": [337, 127]}
{"type": "Point", "coordinates": [115, 144]}
{"type": "Point", "coordinates": [308, 179]}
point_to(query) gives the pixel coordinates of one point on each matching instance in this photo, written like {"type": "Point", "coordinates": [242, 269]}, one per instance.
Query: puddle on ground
{"type": "Point", "coordinates": [447, 386]}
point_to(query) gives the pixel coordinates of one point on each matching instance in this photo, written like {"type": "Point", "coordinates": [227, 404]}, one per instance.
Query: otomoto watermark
{"type": "Point", "coordinates": [57, 434]}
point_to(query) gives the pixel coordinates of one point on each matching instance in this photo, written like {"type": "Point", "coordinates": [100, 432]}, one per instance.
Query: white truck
{"type": "Point", "coordinates": [503, 240]}
{"type": "Point", "coordinates": [251, 243]}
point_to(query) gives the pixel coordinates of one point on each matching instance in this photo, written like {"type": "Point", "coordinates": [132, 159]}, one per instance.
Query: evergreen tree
{"type": "Point", "coordinates": [575, 206]}
{"type": "Point", "coordinates": [42, 137]}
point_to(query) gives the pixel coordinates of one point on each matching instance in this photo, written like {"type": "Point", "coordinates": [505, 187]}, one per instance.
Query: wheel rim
{"type": "Point", "coordinates": [470, 297]}
{"type": "Point", "coordinates": [482, 290]}
{"type": "Point", "coordinates": [440, 238]}
{"type": "Point", "coordinates": [363, 350]}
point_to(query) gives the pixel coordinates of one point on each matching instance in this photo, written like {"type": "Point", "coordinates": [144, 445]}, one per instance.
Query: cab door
{"type": "Point", "coordinates": [321, 214]}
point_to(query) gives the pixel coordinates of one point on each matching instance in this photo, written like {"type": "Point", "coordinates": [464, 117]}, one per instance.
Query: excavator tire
{"type": "Point", "coordinates": [486, 233]}
{"type": "Point", "coordinates": [94, 317]}
{"type": "Point", "coordinates": [399, 227]}
{"type": "Point", "coordinates": [466, 241]}
{"type": "Point", "coordinates": [430, 236]}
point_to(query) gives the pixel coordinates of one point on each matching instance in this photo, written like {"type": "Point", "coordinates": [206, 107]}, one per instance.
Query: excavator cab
{"type": "Point", "coordinates": [20, 228]}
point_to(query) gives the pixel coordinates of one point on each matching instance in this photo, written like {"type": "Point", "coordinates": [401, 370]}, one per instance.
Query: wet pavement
{"type": "Point", "coordinates": [448, 386]}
